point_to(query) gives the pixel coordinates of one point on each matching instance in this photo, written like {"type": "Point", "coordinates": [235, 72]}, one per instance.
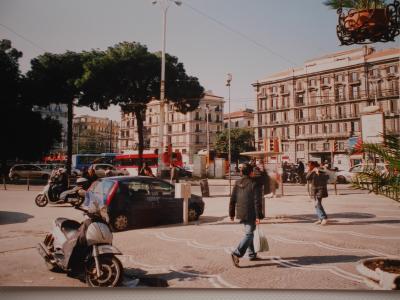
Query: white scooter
{"type": "Point", "coordinates": [94, 259]}
{"type": "Point", "coordinates": [75, 196]}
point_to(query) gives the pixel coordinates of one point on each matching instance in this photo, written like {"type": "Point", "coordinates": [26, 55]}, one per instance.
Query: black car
{"type": "Point", "coordinates": [137, 202]}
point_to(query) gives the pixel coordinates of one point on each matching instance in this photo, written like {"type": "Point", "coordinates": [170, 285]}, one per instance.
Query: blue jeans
{"type": "Point", "coordinates": [247, 241]}
{"type": "Point", "coordinates": [320, 209]}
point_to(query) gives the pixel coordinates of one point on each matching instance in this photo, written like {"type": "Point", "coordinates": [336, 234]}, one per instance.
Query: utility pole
{"type": "Point", "coordinates": [228, 84]}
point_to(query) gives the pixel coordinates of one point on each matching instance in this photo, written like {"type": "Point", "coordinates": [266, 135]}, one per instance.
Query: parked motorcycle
{"type": "Point", "coordinates": [74, 196]}
{"type": "Point", "coordinates": [95, 258]}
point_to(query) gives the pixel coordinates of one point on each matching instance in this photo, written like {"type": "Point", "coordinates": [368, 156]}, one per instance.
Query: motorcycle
{"type": "Point", "coordinates": [74, 196]}
{"type": "Point", "coordinates": [95, 258]}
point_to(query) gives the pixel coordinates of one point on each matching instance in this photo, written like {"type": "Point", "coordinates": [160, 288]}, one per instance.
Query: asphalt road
{"type": "Point", "coordinates": [302, 255]}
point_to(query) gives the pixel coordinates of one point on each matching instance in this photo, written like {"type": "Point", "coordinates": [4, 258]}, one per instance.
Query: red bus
{"type": "Point", "coordinates": [130, 161]}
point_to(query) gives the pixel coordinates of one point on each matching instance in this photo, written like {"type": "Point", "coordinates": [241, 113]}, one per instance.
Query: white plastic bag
{"type": "Point", "coordinates": [260, 241]}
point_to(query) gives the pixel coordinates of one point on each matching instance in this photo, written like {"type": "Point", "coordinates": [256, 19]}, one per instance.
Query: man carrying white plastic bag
{"type": "Point", "coordinates": [247, 204]}
{"type": "Point", "coordinates": [260, 241]}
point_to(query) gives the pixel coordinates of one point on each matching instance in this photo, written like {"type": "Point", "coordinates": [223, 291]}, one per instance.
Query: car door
{"type": "Point", "coordinates": [171, 209]}
{"type": "Point", "coordinates": [33, 171]}
{"type": "Point", "coordinates": [143, 207]}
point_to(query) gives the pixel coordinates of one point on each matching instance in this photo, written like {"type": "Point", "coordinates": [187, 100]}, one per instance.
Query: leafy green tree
{"type": "Point", "coordinates": [242, 140]}
{"type": "Point", "coordinates": [129, 75]}
{"type": "Point", "coordinates": [26, 135]}
{"type": "Point", "coordinates": [52, 79]}
{"type": "Point", "coordinates": [373, 180]}
{"type": "Point", "coordinates": [357, 4]}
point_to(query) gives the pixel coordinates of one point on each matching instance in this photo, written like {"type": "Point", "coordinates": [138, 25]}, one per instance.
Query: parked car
{"type": "Point", "coordinates": [31, 171]}
{"type": "Point", "coordinates": [137, 202]}
{"type": "Point", "coordinates": [101, 169]}
{"type": "Point", "coordinates": [348, 176]}
{"type": "Point", "coordinates": [51, 167]}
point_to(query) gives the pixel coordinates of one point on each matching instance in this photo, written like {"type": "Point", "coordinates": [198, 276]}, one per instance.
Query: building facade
{"type": "Point", "coordinates": [95, 135]}
{"type": "Point", "coordinates": [57, 112]}
{"type": "Point", "coordinates": [187, 133]}
{"type": "Point", "coordinates": [315, 107]}
{"type": "Point", "coordinates": [240, 119]}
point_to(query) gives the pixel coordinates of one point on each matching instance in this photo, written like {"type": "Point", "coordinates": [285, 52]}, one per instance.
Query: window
{"type": "Point", "coordinates": [339, 77]}
{"type": "Point", "coordinates": [197, 127]}
{"type": "Point", "coordinates": [326, 146]}
{"type": "Point", "coordinates": [272, 117]}
{"type": "Point", "coordinates": [325, 80]}
{"type": "Point", "coordinates": [354, 76]}
{"type": "Point", "coordinates": [313, 146]}
{"type": "Point", "coordinates": [392, 69]}
{"type": "Point", "coordinates": [197, 139]}
{"type": "Point", "coordinates": [374, 73]}
{"type": "Point", "coordinates": [300, 147]}
{"type": "Point", "coordinates": [313, 97]}
{"type": "Point", "coordinates": [237, 124]}
{"type": "Point", "coordinates": [160, 188]}
{"type": "Point", "coordinates": [248, 123]}
{"type": "Point", "coordinates": [354, 92]}
{"type": "Point", "coordinates": [299, 99]}
{"type": "Point", "coordinates": [169, 128]}
{"type": "Point", "coordinates": [183, 127]}
{"type": "Point", "coordinates": [313, 82]}
{"type": "Point", "coordinates": [310, 128]}
{"type": "Point", "coordinates": [341, 145]}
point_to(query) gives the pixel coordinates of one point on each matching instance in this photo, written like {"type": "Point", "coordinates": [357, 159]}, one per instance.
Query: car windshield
{"type": "Point", "coordinates": [99, 192]}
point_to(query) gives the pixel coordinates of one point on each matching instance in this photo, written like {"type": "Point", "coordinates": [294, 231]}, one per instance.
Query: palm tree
{"type": "Point", "coordinates": [356, 4]}
{"type": "Point", "coordinates": [382, 183]}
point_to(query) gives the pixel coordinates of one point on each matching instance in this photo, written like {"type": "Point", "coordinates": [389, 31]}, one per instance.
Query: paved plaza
{"type": "Point", "coordinates": [302, 255]}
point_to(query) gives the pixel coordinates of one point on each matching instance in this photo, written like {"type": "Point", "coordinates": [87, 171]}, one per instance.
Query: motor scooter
{"type": "Point", "coordinates": [95, 258]}
{"type": "Point", "coordinates": [74, 196]}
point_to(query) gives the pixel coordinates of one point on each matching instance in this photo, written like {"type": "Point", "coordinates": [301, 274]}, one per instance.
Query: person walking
{"type": "Point", "coordinates": [146, 170]}
{"type": "Point", "coordinates": [245, 204]}
{"type": "Point", "coordinates": [91, 175]}
{"type": "Point", "coordinates": [318, 179]}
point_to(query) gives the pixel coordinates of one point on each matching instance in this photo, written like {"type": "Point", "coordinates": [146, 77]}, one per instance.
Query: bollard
{"type": "Point", "coordinates": [205, 190]}
{"type": "Point", "coordinates": [183, 191]}
{"type": "Point", "coordinates": [4, 182]}
{"type": "Point", "coordinates": [28, 182]}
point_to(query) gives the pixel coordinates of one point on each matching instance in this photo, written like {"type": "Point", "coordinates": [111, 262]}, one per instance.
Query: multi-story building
{"type": "Point", "coordinates": [316, 106]}
{"type": "Point", "coordinates": [57, 112]}
{"type": "Point", "coordinates": [187, 133]}
{"type": "Point", "coordinates": [95, 135]}
{"type": "Point", "coordinates": [240, 119]}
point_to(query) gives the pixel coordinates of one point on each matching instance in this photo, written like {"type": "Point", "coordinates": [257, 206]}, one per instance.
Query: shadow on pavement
{"type": "Point", "coordinates": [211, 219]}
{"type": "Point", "coordinates": [12, 217]}
{"type": "Point", "coordinates": [314, 260]}
{"type": "Point", "coordinates": [161, 279]}
{"type": "Point", "coordinates": [310, 218]}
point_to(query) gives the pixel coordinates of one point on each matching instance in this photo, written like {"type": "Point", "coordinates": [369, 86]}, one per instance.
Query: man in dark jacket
{"type": "Point", "coordinates": [246, 202]}
{"type": "Point", "coordinates": [319, 190]}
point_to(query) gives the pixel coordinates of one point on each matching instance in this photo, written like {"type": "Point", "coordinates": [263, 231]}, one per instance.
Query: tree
{"type": "Point", "coordinates": [25, 134]}
{"type": "Point", "coordinates": [129, 75]}
{"type": "Point", "coordinates": [373, 180]}
{"type": "Point", "coordinates": [242, 140]}
{"type": "Point", "coordinates": [52, 79]}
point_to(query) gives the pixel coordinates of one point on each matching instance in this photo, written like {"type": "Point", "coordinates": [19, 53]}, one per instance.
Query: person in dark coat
{"type": "Point", "coordinates": [91, 175]}
{"type": "Point", "coordinates": [318, 180]}
{"type": "Point", "coordinates": [245, 204]}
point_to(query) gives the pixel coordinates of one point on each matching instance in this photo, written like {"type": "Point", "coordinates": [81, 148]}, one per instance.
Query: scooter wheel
{"type": "Point", "coordinates": [41, 200]}
{"type": "Point", "coordinates": [110, 272]}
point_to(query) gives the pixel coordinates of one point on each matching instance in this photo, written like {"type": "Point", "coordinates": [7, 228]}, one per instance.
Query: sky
{"type": "Point", "coordinates": [250, 39]}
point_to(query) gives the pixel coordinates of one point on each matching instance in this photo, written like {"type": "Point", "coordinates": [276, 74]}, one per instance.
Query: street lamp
{"type": "Point", "coordinates": [164, 5]}
{"type": "Point", "coordinates": [228, 84]}
{"type": "Point", "coordinates": [208, 140]}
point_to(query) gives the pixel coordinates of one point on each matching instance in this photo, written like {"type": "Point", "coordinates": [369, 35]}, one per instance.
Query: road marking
{"type": "Point", "coordinates": [331, 268]}
{"type": "Point", "coordinates": [20, 249]}
{"type": "Point", "coordinates": [216, 279]}
{"type": "Point", "coordinates": [353, 233]}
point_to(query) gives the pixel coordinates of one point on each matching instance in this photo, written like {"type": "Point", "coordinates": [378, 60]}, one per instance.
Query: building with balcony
{"type": "Point", "coordinates": [240, 119]}
{"type": "Point", "coordinates": [318, 105]}
{"type": "Point", "coordinates": [95, 135]}
{"type": "Point", "coordinates": [186, 132]}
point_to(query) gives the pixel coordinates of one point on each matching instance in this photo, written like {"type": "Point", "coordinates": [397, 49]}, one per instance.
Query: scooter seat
{"type": "Point", "coordinates": [67, 225]}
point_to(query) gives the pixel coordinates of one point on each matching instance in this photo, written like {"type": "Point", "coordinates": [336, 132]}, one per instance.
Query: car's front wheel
{"type": "Point", "coordinates": [341, 179]}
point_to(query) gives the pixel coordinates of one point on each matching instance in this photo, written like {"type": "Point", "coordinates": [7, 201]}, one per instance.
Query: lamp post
{"type": "Point", "coordinates": [228, 84]}
{"type": "Point", "coordinates": [164, 4]}
{"type": "Point", "coordinates": [208, 140]}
